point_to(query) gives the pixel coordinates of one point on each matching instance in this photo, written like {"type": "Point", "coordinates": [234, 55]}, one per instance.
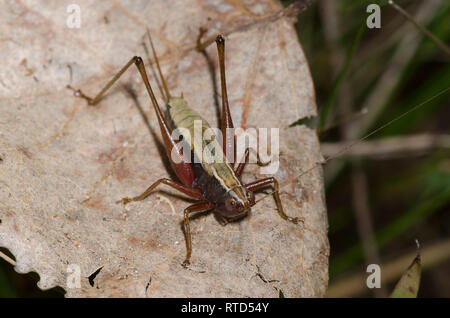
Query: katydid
{"type": "Point", "coordinates": [215, 185]}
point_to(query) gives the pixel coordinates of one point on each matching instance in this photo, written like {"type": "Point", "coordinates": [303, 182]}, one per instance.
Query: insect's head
{"type": "Point", "coordinates": [236, 203]}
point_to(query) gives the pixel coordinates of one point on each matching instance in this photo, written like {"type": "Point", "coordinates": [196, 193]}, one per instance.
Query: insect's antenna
{"type": "Point", "coordinates": [163, 81]}
{"type": "Point", "coordinates": [345, 149]}
{"type": "Point", "coordinates": [344, 120]}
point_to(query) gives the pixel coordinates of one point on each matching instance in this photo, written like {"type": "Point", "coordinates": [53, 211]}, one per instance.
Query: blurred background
{"type": "Point", "coordinates": [393, 187]}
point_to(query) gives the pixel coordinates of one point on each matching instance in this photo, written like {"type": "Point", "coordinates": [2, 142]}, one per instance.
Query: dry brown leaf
{"type": "Point", "coordinates": [64, 164]}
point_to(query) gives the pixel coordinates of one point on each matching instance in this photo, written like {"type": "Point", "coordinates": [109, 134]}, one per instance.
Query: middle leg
{"type": "Point", "coordinates": [181, 166]}
{"type": "Point", "coordinates": [259, 184]}
{"type": "Point", "coordinates": [228, 140]}
{"type": "Point", "coordinates": [241, 166]}
{"type": "Point", "coordinates": [196, 207]}
{"type": "Point", "coordinates": [193, 193]}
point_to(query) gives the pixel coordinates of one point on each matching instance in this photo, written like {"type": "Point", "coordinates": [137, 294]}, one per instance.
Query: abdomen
{"type": "Point", "coordinates": [214, 164]}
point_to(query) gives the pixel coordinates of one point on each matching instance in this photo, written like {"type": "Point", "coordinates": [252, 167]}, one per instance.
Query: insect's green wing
{"type": "Point", "coordinates": [213, 160]}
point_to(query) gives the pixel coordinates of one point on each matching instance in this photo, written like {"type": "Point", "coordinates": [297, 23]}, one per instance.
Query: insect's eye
{"type": "Point", "coordinates": [230, 204]}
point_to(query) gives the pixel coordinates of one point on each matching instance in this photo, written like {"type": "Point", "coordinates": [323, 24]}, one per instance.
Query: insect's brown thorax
{"type": "Point", "coordinates": [232, 200]}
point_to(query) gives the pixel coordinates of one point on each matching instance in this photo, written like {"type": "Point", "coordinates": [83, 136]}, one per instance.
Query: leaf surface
{"type": "Point", "coordinates": [65, 164]}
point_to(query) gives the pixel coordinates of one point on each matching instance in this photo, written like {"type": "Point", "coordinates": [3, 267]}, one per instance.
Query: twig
{"type": "Point", "coordinates": [390, 147]}
{"type": "Point", "coordinates": [331, 23]}
{"type": "Point", "coordinates": [7, 258]}
{"type": "Point", "coordinates": [345, 100]}
{"type": "Point", "coordinates": [378, 44]}
{"type": "Point", "coordinates": [373, 132]}
{"type": "Point", "coordinates": [404, 52]}
{"type": "Point", "coordinates": [363, 215]}
{"type": "Point", "coordinates": [424, 30]}
{"type": "Point", "coordinates": [385, 85]}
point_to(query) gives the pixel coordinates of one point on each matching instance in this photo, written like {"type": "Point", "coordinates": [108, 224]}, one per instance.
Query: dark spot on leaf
{"type": "Point", "coordinates": [263, 279]}
{"type": "Point", "coordinates": [148, 284]}
{"type": "Point", "coordinates": [93, 275]}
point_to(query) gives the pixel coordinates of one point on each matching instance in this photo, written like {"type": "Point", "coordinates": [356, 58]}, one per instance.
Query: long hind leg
{"type": "Point", "coordinates": [193, 193]}
{"type": "Point", "coordinates": [180, 164]}
{"type": "Point", "coordinates": [228, 140]}
{"type": "Point", "coordinates": [241, 166]}
{"type": "Point", "coordinates": [96, 99]}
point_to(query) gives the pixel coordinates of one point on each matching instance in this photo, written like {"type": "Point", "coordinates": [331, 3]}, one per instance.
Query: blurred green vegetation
{"type": "Point", "coordinates": [410, 196]}
{"type": "Point", "coordinates": [13, 284]}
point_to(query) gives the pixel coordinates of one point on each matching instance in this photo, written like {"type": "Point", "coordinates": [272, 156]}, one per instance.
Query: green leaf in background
{"type": "Point", "coordinates": [408, 285]}
{"type": "Point", "coordinates": [310, 122]}
{"type": "Point", "coordinates": [6, 289]}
